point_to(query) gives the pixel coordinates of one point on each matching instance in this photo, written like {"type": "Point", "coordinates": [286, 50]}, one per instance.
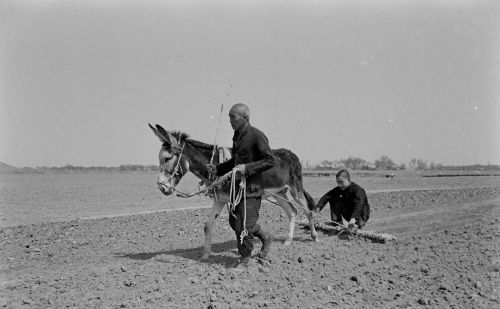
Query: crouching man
{"type": "Point", "coordinates": [347, 200]}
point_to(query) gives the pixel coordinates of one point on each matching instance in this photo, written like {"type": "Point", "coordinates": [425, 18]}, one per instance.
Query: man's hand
{"type": "Point", "coordinates": [241, 168]}
{"type": "Point", "coordinates": [352, 223]}
{"type": "Point", "coordinates": [212, 169]}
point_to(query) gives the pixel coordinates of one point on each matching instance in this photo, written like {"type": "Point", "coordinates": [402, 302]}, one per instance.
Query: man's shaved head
{"type": "Point", "coordinates": [239, 116]}
{"type": "Point", "coordinates": [343, 179]}
{"type": "Point", "coordinates": [343, 174]}
{"type": "Point", "coordinates": [240, 109]}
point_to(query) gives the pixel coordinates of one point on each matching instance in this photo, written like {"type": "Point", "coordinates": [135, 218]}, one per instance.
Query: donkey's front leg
{"type": "Point", "coordinates": [214, 214]}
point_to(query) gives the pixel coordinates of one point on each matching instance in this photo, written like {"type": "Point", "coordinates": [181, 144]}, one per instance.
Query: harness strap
{"type": "Point", "coordinates": [176, 169]}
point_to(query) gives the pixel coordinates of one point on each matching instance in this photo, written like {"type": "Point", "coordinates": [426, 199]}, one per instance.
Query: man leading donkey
{"type": "Point", "coordinates": [251, 156]}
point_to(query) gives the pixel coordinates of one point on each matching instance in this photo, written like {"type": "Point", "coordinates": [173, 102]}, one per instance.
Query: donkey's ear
{"type": "Point", "coordinates": [161, 130]}
{"type": "Point", "coordinates": [169, 138]}
{"type": "Point", "coordinates": [163, 137]}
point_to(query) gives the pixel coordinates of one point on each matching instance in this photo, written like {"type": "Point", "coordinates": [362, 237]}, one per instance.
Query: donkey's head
{"type": "Point", "coordinates": [172, 165]}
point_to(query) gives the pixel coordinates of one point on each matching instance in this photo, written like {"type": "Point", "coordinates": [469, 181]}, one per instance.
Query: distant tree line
{"type": "Point", "coordinates": [386, 163]}
{"type": "Point", "coordinates": [351, 163]}
{"type": "Point", "coordinates": [121, 168]}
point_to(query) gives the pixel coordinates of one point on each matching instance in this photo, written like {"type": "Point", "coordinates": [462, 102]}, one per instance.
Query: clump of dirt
{"type": "Point", "coordinates": [446, 256]}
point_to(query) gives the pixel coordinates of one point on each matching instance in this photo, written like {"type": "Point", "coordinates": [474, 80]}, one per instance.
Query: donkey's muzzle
{"type": "Point", "coordinates": [165, 189]}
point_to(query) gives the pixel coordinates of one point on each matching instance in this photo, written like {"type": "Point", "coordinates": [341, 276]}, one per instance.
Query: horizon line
{"type": "Point", "coordinates": [311, 165]}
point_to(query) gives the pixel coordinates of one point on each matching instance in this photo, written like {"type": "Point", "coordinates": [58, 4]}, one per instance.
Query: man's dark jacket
{"type": "Point", "coordinates": [250, 147]}
{"type": "Point", "coordinates": [351, 200]}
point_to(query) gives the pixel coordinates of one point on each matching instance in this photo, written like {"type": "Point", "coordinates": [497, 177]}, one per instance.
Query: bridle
{"type": "Point", "coordinates": [178, 167]}
{"type": "Point", "coordinates": [179, 172]}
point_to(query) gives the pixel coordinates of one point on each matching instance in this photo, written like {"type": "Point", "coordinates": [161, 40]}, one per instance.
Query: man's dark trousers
{"type": "Point", "coordinates": [339, 210]}
{"type": "Point", "coordinates": [236, 223]}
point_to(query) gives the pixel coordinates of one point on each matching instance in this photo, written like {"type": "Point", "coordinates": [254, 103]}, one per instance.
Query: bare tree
{"type": "Point", "coordinates": [418, 164]}
{"type": "Point", "coordinates": [385, 163]}
{"type": "Point", "coordinates": [326, 164]}
{"type": "Point", "coordinates": [354, 163]}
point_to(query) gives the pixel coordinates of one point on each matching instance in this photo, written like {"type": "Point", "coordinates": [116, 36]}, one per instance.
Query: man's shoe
{"type": "Point", "coordinates": [243, 264]}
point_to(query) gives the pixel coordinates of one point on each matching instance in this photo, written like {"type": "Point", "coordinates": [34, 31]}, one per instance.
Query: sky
{"type": "Point", "coordinates": [81, 80]}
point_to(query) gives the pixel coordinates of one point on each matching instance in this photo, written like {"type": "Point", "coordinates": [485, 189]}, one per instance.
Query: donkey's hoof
{"type": "Point", "coordinates": [287, 242]}
{"type": "Point", "coordinates": [315, 238]}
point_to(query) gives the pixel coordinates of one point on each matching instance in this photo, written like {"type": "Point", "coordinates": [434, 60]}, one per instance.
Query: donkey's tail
{"type": "Point", "coordinates": [311, 204]}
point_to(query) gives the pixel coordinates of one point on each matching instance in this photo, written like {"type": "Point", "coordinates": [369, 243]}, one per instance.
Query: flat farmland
{"type": "Point", "coordinates": [37, 198]}
{"type": "Point", "coordinates": [114, 241]}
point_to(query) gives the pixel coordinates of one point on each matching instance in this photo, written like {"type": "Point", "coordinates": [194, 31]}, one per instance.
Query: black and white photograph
{"type": "Point", "coordinates": [249, 154]}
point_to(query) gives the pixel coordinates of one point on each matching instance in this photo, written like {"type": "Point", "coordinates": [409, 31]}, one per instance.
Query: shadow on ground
{"type": "Point", "coordinates": [225, 253]}
{"type": "Point", "coordinates": [190, 253]}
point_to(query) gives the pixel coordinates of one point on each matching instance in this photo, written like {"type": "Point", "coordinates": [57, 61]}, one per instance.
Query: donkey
{"type": "Point", "coordinates": [180, 154]}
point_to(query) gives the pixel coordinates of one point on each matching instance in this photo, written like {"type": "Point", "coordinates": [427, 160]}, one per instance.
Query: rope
{"type": "Point", "coordinates": [217, 182]}
{"type": "Point", "coordinates": [244, 232]}
{"type": "Point", "coordinates": [235, 199]}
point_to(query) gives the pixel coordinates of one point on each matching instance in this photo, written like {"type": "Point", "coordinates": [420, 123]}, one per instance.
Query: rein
{"type": "Point", "coordinates": [234, 198]}
{"type": "Point", "coordinates": [217, 182]}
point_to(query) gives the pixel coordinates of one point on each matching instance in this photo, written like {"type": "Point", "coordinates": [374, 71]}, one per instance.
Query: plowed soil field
{"type": "Point", "coordinates": [446, 256]}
